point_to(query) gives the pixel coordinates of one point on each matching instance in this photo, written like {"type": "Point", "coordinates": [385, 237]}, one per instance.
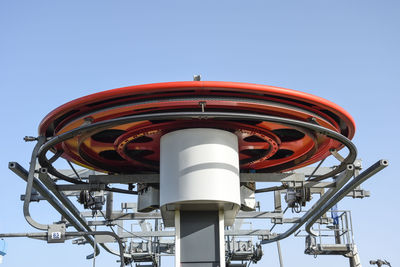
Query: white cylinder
{"type": "Point", "coordinates": [199, 166]}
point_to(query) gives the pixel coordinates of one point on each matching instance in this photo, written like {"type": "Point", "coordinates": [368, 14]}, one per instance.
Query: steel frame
{"type": "Point", "coordinates": [44, 180]}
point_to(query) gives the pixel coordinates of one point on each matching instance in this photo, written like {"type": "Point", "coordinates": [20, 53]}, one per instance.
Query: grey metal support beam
{"type": "Point", "coordinates": [119, 215]}
{"type": "Point", "coordinates": [143, 234]}
{"type": "Point", "coordinates": [109, 205]}
{"type": "Point", "coordinates": [155, 178]}
{"type": "Point", "coordinates": [79, 187]}
{"type": "Point", "coordinates": [277, 201]}
{"type": "Point", "coordinates": [125, 178]}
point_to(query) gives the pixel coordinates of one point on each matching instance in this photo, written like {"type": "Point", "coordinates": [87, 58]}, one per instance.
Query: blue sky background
{"type": "Point", "coordinates": [345, 51]}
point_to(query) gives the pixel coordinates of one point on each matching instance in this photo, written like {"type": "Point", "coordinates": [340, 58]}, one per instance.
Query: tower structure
{"type": "Point", "coordinates": [194, 151]}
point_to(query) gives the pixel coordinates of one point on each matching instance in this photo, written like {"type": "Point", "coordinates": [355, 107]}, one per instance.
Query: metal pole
{"type": "Point", "coordinates": [109, 205]}
{"type": "Point", "coordinates": [95, 244]}
{"type": "Point", "coordinates": [68, 234]}
{"type": "Point", "coordinates": [29, 185]}
{"type": "Point", "coordinates": [279, 253]}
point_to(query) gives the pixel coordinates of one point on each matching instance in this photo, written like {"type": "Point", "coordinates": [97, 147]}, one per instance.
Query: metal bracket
{"type": "Point", "coordinates": [359, 193]}
{"type": "Point", "coordinates": [56, 233]}
{"type": "Point", "coordinates": [324, 220]}
{"type": "Point", "coordinates": [277, 220]}
{"type": "Point", "coordinates": [35, 196]}
{"type": "Point", "coordinates": [336, 155]}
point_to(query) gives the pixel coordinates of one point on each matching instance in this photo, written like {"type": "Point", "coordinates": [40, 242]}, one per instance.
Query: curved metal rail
{"type": "Point", "coordinates": [196, 115]}
{"type": "Point", "coordinates": [29, 185]}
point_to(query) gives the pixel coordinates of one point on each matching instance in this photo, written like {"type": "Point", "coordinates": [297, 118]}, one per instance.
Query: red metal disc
{"type": "Point", "coordinates": [134, 147]}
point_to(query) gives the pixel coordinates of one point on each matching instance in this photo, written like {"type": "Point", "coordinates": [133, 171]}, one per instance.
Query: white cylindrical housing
{"type": "Point", "coordinates": [201, 166]}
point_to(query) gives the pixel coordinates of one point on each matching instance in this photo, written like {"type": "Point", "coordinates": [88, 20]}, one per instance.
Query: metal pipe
{"type": "Point", "coordinates": [279, 253]}
{"type": "Point", "coordinates": [67, 234]}
{"type": "Point", "coordinates": [49, 187]}
{"type": "Point", "coordinates": [270, 189]}
{"type": "Point", "coordinates": [45, 192]}
{"type": "Point", "coordinates": [197, 115]}
{"type": "Point", "coordinates": [375, 168]}
{"type": "Point", "coordinates": [29, 184]}
{"type": "Point", "coordinates": [31, 235]}
{"type": "Point", "coordinates": [342, 179]}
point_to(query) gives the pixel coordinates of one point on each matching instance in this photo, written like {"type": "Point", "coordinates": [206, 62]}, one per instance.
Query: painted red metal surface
{"type": "Point", "coordinates": [134, 147]}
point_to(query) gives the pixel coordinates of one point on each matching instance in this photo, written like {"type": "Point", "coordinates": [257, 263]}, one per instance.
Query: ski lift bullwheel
{"type": "Point", "coordinates": [134, 147]}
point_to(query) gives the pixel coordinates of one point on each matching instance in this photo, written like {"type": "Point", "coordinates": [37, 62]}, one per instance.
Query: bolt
{"type": "Point", "coordinates": [30, 138]}
{"type": "Point", "coordinates": [196, 78]}
{"type": "Point", "coordinates": [202, 104]}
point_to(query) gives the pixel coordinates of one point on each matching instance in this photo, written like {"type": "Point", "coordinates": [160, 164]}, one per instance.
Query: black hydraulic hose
{"type": "Point", "coordinates": [44, 162]}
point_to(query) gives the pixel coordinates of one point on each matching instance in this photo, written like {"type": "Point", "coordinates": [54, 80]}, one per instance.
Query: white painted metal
{"type": "Point", "coordinates": [248, 198]}
{"type": "Point", "coordinates": [199, 166]}
{"type": "Point", "coordinates": [355, 258]}
{"type": "Point", "coordinates": [177, 238]}
{"type": "Point", "coordinates": [221, 232]}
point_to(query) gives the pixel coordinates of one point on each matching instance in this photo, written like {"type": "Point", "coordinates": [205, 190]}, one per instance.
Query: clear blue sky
{"type": "Point", "coordinates": [345, 51]}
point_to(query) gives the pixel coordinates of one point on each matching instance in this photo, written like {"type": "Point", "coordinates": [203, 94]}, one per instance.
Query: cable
{"type": "Point", "coordinates": [95, 241]}
{"type": "Point", "coordinates": [112, 229]}
{"type": "Point", "coordinates": [148, 240]}
{"type": "Point", "coordinates": [76, 173]}
{"type": "Point", "coordinates": [315, 170]}
{"type": "Point", "coordinates": [273, 226]}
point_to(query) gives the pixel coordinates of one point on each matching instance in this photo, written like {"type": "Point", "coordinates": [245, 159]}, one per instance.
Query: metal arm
{"type": "Point", "coordinates": [72, 234]}
{"type": "Point", "coordinates": [378, 166]}
{"type": "Point", "coordinates": [343, 177]}
{"type": "Point", "coordinates": [66, 208]}
{"type": "Point", "coordinates": [45, 192]}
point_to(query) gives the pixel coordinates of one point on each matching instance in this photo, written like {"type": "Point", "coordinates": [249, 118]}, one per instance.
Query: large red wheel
{"type": "Point", "coordinates": [134, 147]}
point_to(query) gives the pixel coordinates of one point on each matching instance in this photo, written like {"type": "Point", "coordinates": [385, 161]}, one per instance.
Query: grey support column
{"type": "Point", "coordinates": [199, 239]}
